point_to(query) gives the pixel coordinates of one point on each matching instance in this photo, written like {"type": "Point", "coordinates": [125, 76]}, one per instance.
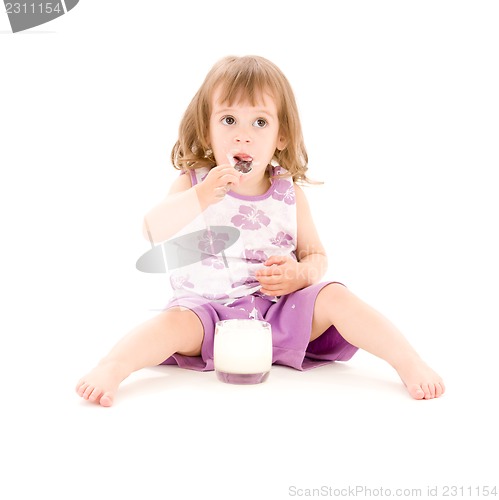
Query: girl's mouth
{"type": "Point", "coordinates": [243, 163]}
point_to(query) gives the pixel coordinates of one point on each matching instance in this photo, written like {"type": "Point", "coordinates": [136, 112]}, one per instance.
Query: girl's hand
{"type": "Point", "coordinates": [280, 276]}
{"type": "Point", "coordinates": [216, 184]}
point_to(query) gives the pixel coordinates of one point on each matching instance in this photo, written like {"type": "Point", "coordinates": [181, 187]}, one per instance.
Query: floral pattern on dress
{"type": "Point", "coordinates": [255, 256]}
{"type": "Point", "coordinates": [284, 191]}
{"type": "Point", "coordinates": [282, 239]}
{"type": "Point", "coordinates": [250, 217]}
{"type": "Point", "coordinates": [249, 282]}
{"type": "Point", "coordinates": [213, 261]}
{"type": "Point", "coordinates": [211, 245]}
{"type": "Point", "coordinates": [178, 282]}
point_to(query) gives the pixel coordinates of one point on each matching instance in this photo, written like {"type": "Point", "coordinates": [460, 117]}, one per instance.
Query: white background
{"type": "Point", "coordinates": [399, 107]}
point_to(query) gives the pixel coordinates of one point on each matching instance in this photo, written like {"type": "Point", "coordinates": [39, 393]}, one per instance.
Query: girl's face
{"type": "Point", "coordinates": [245, 132]}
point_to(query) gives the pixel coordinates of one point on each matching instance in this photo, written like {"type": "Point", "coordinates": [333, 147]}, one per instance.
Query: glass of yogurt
{"type": "Point", "coordinates": [242, 351]}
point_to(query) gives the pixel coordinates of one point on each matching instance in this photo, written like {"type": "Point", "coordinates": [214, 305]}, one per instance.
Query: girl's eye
{"type": "Point", "coordinates": [260, 123]}
{"type": "Point", "coordinates": [228, 120]}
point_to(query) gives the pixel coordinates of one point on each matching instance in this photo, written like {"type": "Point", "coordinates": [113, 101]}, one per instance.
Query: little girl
{"type": "Point", "coordinates": [241, 156]}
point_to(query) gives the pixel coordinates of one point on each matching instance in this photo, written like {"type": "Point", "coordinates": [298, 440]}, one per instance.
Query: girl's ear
{"type": "Point", "coordinates": [282, 142]}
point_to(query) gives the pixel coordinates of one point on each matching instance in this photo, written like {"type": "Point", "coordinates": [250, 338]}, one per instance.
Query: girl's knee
{"type": "Point", "coordinates": [187, 327]}
{"type": "Point", "coordinates": [335, 292]}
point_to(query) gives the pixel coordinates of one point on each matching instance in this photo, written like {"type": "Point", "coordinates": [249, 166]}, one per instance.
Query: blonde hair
{"type": "Point", "coordinates": [241, 78]}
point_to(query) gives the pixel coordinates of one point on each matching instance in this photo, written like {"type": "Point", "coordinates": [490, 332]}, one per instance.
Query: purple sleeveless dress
{"type": "Point", "coordinates": [222, 284]}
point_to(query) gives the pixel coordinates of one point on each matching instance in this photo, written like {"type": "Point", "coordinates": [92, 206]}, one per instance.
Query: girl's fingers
{"type": "Point", "coordinates": [272, 288]}
{"type": "Point", "coordinates": [229, 179]}
{"type": "Point", "coordinates": [269, 271]}
{"type": "Point", "coordinates": [225, 169]}
{"type": "Point", "coordinates": [275, 259]}
{"type": "Point", "coordinates": [269, 280]}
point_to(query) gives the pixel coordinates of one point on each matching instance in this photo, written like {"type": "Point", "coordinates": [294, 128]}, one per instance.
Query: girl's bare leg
{"type": "Point", "coordinates": [367, 329]}
{"type": "Point", "coordinates": [149, 344]}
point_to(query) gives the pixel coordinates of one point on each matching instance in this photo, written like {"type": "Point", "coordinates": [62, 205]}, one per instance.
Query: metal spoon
{"type": "Point", "coordinates": [243, 166]}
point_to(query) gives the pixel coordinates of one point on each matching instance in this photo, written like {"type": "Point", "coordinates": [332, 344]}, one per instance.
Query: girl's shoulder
{"type": "Point", "coordinates": [188, 178]}
{"type": "Point", "coordinates": [181, 183]}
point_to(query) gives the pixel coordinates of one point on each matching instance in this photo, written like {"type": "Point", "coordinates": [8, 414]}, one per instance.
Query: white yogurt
{"type": "Point", "coordinates": [243, 346]}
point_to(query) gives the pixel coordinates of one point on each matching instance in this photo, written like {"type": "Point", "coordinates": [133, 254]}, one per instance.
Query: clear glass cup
{"type": "Point", "coordinates": [242, 351]}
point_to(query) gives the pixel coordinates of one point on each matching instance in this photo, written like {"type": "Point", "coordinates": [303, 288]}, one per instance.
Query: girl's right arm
{"type": "Point", "coordinates": [184, 202]}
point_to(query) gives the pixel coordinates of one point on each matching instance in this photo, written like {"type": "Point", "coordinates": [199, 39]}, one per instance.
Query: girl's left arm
{"type": "Point", "coordinates": [309, 249]}
{"type": "Point", "coordinates": [283, 274]}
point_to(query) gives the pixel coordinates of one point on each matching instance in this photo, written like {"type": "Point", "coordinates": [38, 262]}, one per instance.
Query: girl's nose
{"type": "Point", "coordinates": [242, 136]}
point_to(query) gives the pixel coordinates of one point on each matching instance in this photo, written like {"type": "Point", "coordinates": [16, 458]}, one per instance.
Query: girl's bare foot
{"type": "Point", "coordinates": [420, 380]}
{"type": "Point", "coordinates": [100, 385]}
